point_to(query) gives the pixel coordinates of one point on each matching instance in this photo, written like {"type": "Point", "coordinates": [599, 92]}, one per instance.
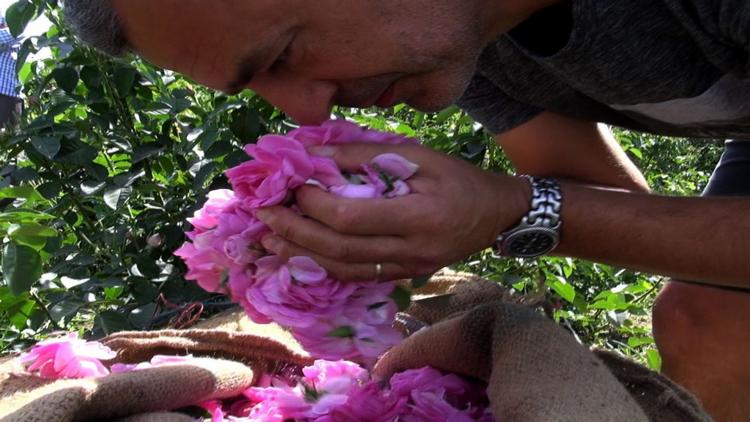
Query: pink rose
{"type": "Point", "coordinates": [297, 292]}
{"type": "Point", "coordinates": [350, 336]}
{"type": "Point", "coordinates": [241, 280]}
{"type": "Point", "coordinates": [368, 403]}
{"type": "Point", "coordinates": [334, 377]}
{"type": "Point", "coordinates": [429, 406]}
{"type": "Point", "coordinates": [68, 357]}
{"type": "Point", "coordinates": [281, 165]}
{"type": "Point", "coordinates": [395, 165]}
{"type": "Point", "coordinates": [207, 263]}
{"type": "Point", "coordinates": [278, 404]}
{"type": "Point", "coordinates": [156, 361]}
{"type": "Point", "coordinates": [239, 235]}
{"type": "Point", "coordinates": [343, 132]}
{"type": "Point", "coordinates": [354, 191]}
{"type": "Point", "coordinates": [459, 391]}
{"type": "Point", "coordinates": [208, 217]}
{"type": "Point", "coordinates": [214, 408]}
{"type": "Point", "coordinates": [232, 243]}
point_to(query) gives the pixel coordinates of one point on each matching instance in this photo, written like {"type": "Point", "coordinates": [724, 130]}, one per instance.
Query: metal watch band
{"type": "Point", "coordinates": [538, 232]}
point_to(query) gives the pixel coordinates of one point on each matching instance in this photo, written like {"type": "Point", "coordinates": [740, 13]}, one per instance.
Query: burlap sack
{"type": "Point", "coordinates": [535, 370]}
{"type": "Point", "coordinates": [231, 364]}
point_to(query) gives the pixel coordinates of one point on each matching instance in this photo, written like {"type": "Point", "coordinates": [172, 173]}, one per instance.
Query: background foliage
{"type": "Point", "coordinates": [112, 156]}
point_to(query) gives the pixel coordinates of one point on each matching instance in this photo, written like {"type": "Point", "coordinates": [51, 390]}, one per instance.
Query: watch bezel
{"type": "Point", "coordinates": [506, 244]}
{"type": "Point", "coordinates": [543, 218]}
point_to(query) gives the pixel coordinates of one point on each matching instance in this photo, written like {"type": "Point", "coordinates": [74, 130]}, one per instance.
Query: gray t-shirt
{"type": "Point", "coordinates": [674, 67]}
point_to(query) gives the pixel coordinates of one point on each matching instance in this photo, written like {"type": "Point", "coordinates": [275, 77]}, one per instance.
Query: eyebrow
{"type": "Point", "coordinates": [244, 73]}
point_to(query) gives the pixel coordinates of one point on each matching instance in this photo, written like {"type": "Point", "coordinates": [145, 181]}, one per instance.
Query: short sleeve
{"type": "Point", "coordinates": [494, 109]}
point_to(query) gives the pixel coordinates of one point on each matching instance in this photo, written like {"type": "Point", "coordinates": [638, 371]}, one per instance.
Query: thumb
{"type": "Point", "coordinates": [441, 347]}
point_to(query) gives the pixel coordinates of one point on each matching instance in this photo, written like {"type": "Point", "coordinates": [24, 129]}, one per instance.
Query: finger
{"type": "Point", "coordinates": [440, 346]}
{"type": "Point", "coordinates": [318, 238]}
{"type": "Point", "coordinates": [351, 157]}
{"type": "Point", "coordinates": [394, 216]}
{"type": "Point", "coordinates": [336, 269]}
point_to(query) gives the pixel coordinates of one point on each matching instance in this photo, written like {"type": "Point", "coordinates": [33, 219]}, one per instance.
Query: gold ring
{"type": "Point", "coordinates": [378, 271]}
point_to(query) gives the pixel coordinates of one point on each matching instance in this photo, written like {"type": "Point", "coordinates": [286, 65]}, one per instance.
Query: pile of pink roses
{"type": "Point", "coordinates": [327, 391]}
{"type": "Point", "coordinates": [332, 319]}
{"type": "Point", "coordinates": [341, 391]}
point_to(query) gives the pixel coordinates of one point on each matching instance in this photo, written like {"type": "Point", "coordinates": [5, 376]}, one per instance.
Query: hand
{"type": "Point", "coordinates": [454, 210]}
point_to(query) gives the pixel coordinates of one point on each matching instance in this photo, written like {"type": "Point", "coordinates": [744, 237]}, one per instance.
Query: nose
{"type": "Point", "coordinates": [308, 102]}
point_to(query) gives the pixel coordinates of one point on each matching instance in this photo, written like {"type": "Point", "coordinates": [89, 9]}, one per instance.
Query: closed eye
{"type": "Point", "coordinates": [282, 60]}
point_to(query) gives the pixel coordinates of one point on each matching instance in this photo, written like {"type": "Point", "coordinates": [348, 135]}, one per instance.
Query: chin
{"type": "Point", "coordinates": [433, 102]}
{"type": "Point", "coordinates": [441, 90]}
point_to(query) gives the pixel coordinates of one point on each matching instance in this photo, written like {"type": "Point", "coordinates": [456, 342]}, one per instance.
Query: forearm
{"type": "Point", "coordinates": [697, 239]}
{"type": "Point", "coordinates": [563, 148]}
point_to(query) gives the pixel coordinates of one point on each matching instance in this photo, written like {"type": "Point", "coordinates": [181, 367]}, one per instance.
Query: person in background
{"type": "Point", "coordinates": [11, 104]}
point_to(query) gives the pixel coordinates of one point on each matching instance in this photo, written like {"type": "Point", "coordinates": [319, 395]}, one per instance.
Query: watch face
{"type": "Point", "coordinates": [530, 242]}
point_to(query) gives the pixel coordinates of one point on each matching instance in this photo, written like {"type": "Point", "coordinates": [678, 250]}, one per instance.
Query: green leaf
{"type": "Point", "coordinates": [245, 124]}
{"type": "Point", "coordinates": [65, 308]}
{"type": "Point", "coordinates": [653, 359]}
{"type": "Point", "coordinates": [31, 229]}
{"type": "Point", "coordinates": [66, 78]}
{"type": "Point", "coordinates": [91, 76]}
{"type": "Point", "coordinates": [79, 157]}
{"type": "Point", "coordinates": [22, 216]}
{"type": "Point", "coordinates": [91, 187]}
{"type": "Point", "coordinates": [147, 266]}
{"type": "Point", "coordinates": [219, 149]}
{"type": "Point", "coordinates": [402, 297]}
{"type": "Point", "coordinates": [112, 293]}
{"type": "Point", "coordinates": [204, 175]}
{"type": "Point", "coordinates": [18, 15]}
{"type": "Point", "coordinates": [142, 152]}
{"type": "Point", "coordinates": [141, 317]}
{"type": "Point", "coordinates": [143, 290]}
{"type": "Point", "coordinates": [639, 341]}
{"type": "Point", "coordinates": [24, 192]}
{"type": "Point", "coordinates": [124, 78]}
{"type": "Point", "coordinates": [22, 267]}
{"type": "Point", "coordinates": [48, 146]}
{"type": "Point", "coordinates": [419, 282]}
{"type": "Point", "coordinates": [117, 197]}
{"type": "Point", "coordinates": [112, 322]}
{"type": "Point", "coordinates": [446, 114]}
{"type": "Point", "coordinates": [565, 290]}
{"type": "Point", "coordinates": [342, 332]}
{"type": "Point", "coordinates": [50, 190]}
{"type": "Point", "coordinates": [19, 314]}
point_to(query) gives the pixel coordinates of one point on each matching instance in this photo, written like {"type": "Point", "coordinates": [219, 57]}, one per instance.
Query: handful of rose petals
{"type": "Point", "coordinates": [332, 319]}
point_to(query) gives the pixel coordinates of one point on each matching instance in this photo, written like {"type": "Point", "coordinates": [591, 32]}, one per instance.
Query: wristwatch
{"type": "Point", "coordinates": [538, 233]}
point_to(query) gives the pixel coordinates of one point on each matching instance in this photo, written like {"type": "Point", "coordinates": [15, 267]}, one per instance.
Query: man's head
{"type": "Point", "coordinates": [303, 56]}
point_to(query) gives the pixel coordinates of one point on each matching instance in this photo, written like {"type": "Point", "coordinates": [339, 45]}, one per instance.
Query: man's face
{"type": "Point", "coordinates": [306, 56]}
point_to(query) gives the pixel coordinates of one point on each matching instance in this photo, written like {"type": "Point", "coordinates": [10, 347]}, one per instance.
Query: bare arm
{"type": "Point", "coordinates": [551, 145]}
{"type": "Point", "coordinates": [699, 239]}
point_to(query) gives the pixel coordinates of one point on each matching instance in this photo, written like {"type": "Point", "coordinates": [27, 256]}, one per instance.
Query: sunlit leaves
{"type": "Point", "coordinates": [22, 267]}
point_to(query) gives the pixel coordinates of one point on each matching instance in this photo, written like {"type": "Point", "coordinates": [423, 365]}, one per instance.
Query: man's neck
{"type": "Point", "coordinates": [500, 16]}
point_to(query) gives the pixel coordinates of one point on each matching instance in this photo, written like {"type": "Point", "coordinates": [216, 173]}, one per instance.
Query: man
{"type": "Point", "coordinates": [539, 74]}
{"type": "Point", "coordinates": [10, 102]}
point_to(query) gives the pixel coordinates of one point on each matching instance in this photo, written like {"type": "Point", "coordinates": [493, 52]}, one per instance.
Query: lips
{"type": "Point", "coordinates": [387, 98]}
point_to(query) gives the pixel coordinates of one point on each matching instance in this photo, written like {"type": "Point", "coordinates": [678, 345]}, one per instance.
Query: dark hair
{"type": "Point", "coordinates": [97, 24]}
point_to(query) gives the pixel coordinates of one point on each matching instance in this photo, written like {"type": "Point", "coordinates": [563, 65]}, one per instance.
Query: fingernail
{"type": "Point", "coordinates": [323, 151]}
{"type": "Point", "coordinates": [271, 242]}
